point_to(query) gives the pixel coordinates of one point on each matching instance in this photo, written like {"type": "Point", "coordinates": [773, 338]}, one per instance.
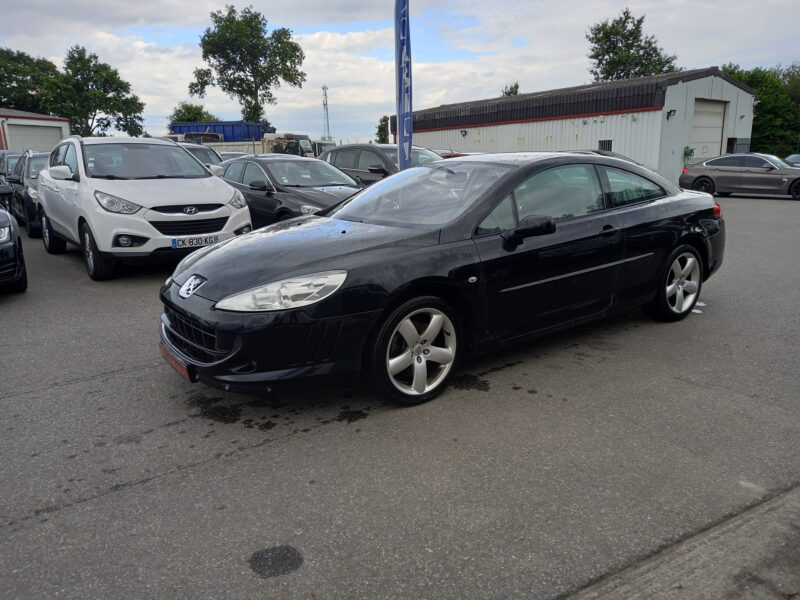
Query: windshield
{"type": "Point", "coordinates": [36, 164]}
{"type": "Point", "coordinates": [205, 155]}
{"type": "Point", "coordinates": [306, 173]}
{"type": "Point", "coordinates": [141, 161]}
{"type": "Point", "coordinates": [427, 196]}
{"type": "Point", "coordinates": [419, 156]}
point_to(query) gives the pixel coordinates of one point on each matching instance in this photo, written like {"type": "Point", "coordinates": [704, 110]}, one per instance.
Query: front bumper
{"type": "Point", "coordinates": [107, 226]}
{"type": "Point", "coordinates": [242, 352]}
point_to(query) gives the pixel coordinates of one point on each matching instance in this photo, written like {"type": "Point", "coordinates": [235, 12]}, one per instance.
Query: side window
{"type": "Point", "coordinates": [754, 162]}
{"type": "Point", "coordinates": [628, 188]}
{"type": "Point", "coordinates": [71, 159]}
{"type": "Point", "coordinates": [561, 192]}
{"type": "Point", "coordinates": [369, 159]}
{"type": "Point", "coordinates": [345, 159]}
{"type": "Point", "coordinates": [19, 168]}
{"type": "Point", "coordinates": [252, 172]}
{"type": "Point", "coordinates": [500, 219]}
{"type": "Point", "coordinates": [727, 161]}
{"type": "Point", "coordinates": [233, 172]}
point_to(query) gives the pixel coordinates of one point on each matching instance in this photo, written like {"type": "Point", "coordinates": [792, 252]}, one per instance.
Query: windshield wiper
{"type": "Point", "coordinates": [109, 177]}
{"type": "Point", "coordinates": [165, 177]}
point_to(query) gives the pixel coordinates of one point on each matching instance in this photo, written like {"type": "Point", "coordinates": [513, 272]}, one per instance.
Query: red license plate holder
{"type": "Point", "coordinates": [181, 367]}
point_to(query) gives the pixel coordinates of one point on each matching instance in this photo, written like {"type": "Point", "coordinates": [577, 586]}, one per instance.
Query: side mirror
{"type": "Point", "coordinates": [768, 167]}
{"type": "Point", "coordinates": [61, 172]}
{"type": "Point", "coordinates": [258, 186]}
{"type": "Point", "coordinates": [528, 227]}
{"type": "Point", "coordinates": [378, 170]}
{"type": "Point", "coordinates": [216, 170]}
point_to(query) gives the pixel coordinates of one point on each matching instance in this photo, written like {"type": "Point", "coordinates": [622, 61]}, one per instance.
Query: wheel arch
{"type": "Point", "coordinates": [698, 242]}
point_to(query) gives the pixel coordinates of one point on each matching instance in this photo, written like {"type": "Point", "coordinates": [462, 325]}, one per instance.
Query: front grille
{"type": "Point", "coordinates": [178, 208]}
{"type": "Point", "coordinates": [190, 226]}
{"type": "Point", "coordinates": [195, 340]}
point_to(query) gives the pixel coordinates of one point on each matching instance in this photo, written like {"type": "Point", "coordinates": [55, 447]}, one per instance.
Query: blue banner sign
{"type": "Point", "coordinates": [402, 53]}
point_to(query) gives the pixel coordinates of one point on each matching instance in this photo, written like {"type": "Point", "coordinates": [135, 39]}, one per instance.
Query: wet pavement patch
{"type": "Point", "coordinates": [221, 414]}
{"type": "Point", "coordinates": [351, 416]}
{"type": "Point", "coordinates": [275, 561]}
{"type": "Point", "coordinates": [470, 382]}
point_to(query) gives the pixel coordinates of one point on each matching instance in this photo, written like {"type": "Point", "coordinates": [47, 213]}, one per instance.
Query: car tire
{"type": "Point", "coordinates": [21, 284]}
{"type": "Point", "coordinates": [52, 243]}
{"type": "Point", "coordinates": [723, 194]}
{"type": "Point", "coordinates": [33, 226]}
{"type": "Point", "coordinates": [679, 284]}
{"type": "Point", "coordinates": [794, 191]}
{"type": "Point", "coordinates": [99, 266]}
{"type": "Point", "coordinates": [408, 366]}
{"type": "Point", "coordinates": [704, 184]}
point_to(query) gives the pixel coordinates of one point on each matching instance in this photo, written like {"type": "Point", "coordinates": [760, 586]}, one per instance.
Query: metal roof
{"type": "Point", "coordinates": [624, 95]}
{"type": "Point", "coordinates": [13, 113]}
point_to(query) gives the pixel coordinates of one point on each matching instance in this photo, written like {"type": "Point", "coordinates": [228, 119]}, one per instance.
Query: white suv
{"type": "Point", "coordinates": [121, 198]}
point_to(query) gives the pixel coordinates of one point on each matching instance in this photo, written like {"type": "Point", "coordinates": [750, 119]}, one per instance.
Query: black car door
{"type": "Point", "coordinates": [369, 159]}
{"type": "Point", "coordinates": [347, 161]}
{"type": "Point", "coordinates": [558, 277]}
{"type": "Point", "coordinates": [17, 181]}
{"type": "Point", "coordinates": [261, 195]}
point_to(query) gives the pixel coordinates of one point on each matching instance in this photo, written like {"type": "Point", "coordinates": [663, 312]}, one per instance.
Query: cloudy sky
{"type": "Point", "coordinates": [462, 49]}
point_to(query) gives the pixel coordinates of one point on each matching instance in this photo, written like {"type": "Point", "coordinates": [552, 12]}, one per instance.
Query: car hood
{"type": "Point", "coordinates": [322, 197]}
{"type": "Point", "coordinates": [299, 246]}
{"type": "Point", "coordinates": [157, 192]}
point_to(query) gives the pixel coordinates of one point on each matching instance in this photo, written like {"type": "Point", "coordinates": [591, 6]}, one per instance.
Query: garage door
{"type": "Point", "coordinates": [706, 139]}
{"type": "Point", "coordinates": [41, 138]}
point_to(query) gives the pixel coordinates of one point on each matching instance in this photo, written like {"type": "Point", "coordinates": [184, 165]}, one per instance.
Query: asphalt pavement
{"type": "Point", "coordinates": [546, 470]}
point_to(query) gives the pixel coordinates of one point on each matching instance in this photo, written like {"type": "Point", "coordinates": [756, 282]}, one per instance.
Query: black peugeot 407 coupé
{"type": "Point", "coordinates": [407, 277]}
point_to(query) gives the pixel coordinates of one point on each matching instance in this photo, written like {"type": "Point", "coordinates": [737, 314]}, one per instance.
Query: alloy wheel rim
{"type": "Point", "coordinates": [683, 282]}
{"type": "Point", "coordinates": [421, 351]}
{"type": "Point", "coordinates": [87, 252]}
{"type": "Point", "coordinates": [703, 185]}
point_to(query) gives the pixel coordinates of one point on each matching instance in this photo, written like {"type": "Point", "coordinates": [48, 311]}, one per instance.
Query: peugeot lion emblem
{"type": "Point", "coordinates": [191, 285]}
{"type": "Point", "coordinates": [190, 210]}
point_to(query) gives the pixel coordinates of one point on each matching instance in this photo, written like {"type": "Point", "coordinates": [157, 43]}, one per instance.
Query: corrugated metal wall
{"type": "Point", "coordinates": [634, 134]}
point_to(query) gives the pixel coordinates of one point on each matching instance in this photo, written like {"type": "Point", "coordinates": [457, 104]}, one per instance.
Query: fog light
{"type": "Point", "coordinates": [124, 241]}
{"type": "Point", "coordinates": [243, 230]}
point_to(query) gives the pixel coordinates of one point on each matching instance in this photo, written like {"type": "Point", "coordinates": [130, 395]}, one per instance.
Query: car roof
{"type": "Point", "coordinates": [126, 140]}
{"type": "Point", "coordinates": [191, 145]}
{"type": "Point", "coordinates": [277, 156]}
{"type": "Point", "coordinates": [514, 158]}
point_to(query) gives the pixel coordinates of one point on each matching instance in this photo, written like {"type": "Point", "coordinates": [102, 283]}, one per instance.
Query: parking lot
{"type": "Point", "coordinates": [542, 469]}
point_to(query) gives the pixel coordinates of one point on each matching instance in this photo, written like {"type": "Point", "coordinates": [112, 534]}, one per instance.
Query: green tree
{"type": "Point", "coordinates": [776, 114]}
{"type": "Point", "coordinates": [620, 49]}
{"type": "Point", "coordinates": [93, 96]}
{"type": "Point", "coordinates": [245, 62]}
{"type": "Point", "coordinates": [511, 90]}
{"type": "Point", "coordinates": [382, 134]}
{"type": "Point", "coordinates": [26, 82]}
{"type": "Point", "coordinates": [188, 112]}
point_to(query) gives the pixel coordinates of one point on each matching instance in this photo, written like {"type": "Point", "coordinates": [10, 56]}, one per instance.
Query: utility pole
{"type": "Point", "coordinates": [327, 122]}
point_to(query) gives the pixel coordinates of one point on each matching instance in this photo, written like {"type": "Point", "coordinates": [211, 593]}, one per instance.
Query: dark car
{"type": "Point", "coordinates": [369, 163]}
{"type": "Point", "coordinates": [437, 263]}
{"type": "Point", "coordinates": [13, 275]}
{"type": "Point", "coordinates": [281, 186]}
{"type": "Point", "coordinates": [8, 160]}
{"type": "Point", "coordinates": [25, 204]}
{"type": "Point", "coordinates": [230, 155]}
{"type": "Point", "coordinates": [793, 160]}
{"type": "Point", "coordinates": [743, 174]}
{"type": "Point", "coordinates": [608, 153]}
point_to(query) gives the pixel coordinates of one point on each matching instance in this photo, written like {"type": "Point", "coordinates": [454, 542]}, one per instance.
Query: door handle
{"type": "Point", "coordinates": [609, 230]}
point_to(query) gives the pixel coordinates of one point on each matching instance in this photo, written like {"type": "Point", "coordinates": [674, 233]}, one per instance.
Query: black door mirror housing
{"type": "Point", "coordinates": [378, 170]}
{"type": "Point", "coordinates": [257, 186]}
{"type": "Point", "coordinates": [529, 226]}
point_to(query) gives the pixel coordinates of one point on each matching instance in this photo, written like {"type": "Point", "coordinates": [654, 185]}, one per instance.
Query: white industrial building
{"type": "Point", "coordinates": [21, 130]}
{"type": "Point", "coordinates": [650, 119]}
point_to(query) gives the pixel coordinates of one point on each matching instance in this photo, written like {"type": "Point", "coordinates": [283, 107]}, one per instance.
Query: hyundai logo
{"type": "Point", "coordinates": [191, 285]}
{"type": "Point", "coordinates": [190, 210]}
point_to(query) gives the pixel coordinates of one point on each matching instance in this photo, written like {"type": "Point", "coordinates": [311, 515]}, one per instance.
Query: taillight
{"type": "Point", "coordinates": [685, 170]}
{"type": "Point", "coordinates": [717, 210]}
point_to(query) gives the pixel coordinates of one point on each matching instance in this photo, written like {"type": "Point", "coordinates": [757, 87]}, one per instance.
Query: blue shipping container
{"type": "Point", "coordinates": [232, 131]}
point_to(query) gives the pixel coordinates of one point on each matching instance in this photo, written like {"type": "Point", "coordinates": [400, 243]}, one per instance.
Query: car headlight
{"type": "Point", "coordinates": [5, 234]}
{"type": "Point", "coordinates": [307, 209]}
{"type": "Point", "coordinates": [115, 204]}
{"type": "Point", "coordinates": [32, 192]}
{"type": "Point", "coordinates": [286, 294]}
{"type": "Point", "coordinates": [238, 200]}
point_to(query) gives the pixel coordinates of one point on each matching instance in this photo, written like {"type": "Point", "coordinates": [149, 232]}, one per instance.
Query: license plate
{"type": "Point", "coordinates": [175, 363]}
{"type": "Point", "coordinates": [195, 242]}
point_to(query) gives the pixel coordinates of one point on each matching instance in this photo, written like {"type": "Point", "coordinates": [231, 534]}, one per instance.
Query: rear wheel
{"type": "Point", "coordinates": [795, 190]}
{"type": "Point", "coordinates": [679, 287]}
{"type": "Point", "coordinates": [52, 243]}
{"type": "Point", "coordinates": [703, 184]}
{"type": "Point", "coordinates": [99, 265]}
{"type": "Point", "coordinates": [415, 351]}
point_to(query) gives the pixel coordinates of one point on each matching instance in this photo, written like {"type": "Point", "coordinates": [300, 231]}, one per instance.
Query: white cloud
{"type": "Point", "coordinates": [354, 64]}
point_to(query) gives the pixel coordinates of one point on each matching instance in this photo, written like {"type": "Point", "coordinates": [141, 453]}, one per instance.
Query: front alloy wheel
{"type": "Point", "coordinates": [98, 265]}
{"type": "Point", "coordinates": [415, 351]}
